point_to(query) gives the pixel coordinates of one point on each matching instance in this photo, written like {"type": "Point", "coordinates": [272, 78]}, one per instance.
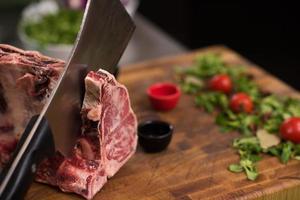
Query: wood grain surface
{"type": "Point", "coordinates": [195, 164]}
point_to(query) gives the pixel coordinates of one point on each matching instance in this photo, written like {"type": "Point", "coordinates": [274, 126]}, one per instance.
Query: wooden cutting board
{"type": "Point", "coordinates": [195, 164]}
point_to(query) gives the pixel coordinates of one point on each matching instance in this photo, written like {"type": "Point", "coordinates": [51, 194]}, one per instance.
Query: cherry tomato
{"type": "Point", "coordinates": [241, 102]}
{"type": "Point", "coordinates": [221, 83]}
{"type": "Point", "coordinates": [290, 129]}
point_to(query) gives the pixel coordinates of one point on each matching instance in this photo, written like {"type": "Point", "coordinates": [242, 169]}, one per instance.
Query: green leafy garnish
{"type": "Point", "coordinates": [192, 85]}
{"type": "Point", "coordinates": [210, 65]}
{"type": "Point", "coordinates": [292, 108]}
{"type": "Point", "coordinates": [244, 123]}
{"type": "Point", "coordinates": [249, 150]}
{"type": "Point", "coordinates": [210, 100]}
{"type": "Point", "coordinates": [249, 145]}
{"type": "Point", "coordinates": [285, 151]}
{"type": "Point", "coordinates": [250, 169]}
{"type": "Point", "coordinates": [259, 128]}
{"type": "Point", "coordinates": [236, 168]}
{"type": "Point", "coordinates": [55, 28]}
{"type": "Point", "coordinates": [246, 85]}
{"type": "Point", "coordinates": [246, 166]}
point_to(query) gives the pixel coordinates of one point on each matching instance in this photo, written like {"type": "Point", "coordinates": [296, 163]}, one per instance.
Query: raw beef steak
{"type": "Point", "coordinates": [107, 141]}
{"type": "Point", "coordinates": [108, 138]}
{"type": "Point", "coordinates": [26, 80]}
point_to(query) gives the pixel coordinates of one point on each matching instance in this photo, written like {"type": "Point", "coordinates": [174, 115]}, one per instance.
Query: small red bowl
{"type": "Point", "coordinates": [163, 96]}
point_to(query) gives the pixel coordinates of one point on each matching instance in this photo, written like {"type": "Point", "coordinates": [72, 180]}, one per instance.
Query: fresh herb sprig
{"type": "Point", "coordinates": [244, 123]}
{"type": "Point", "coordinates": [210, 100]}
{"type": "Point", "coordinates": [249, 149]}
{"type": "Point", "coordinates": [285, 151]}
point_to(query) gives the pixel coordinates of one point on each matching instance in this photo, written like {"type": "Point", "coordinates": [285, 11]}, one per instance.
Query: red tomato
{"type": "Point", "coordinates": [290, 129]}
{"type": "Point", "coordinates": [221, 83]}
{"type": "Point", "coordinates": [241, 102]}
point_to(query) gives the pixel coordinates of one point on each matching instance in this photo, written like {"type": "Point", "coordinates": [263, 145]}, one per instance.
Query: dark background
{"type": "Point", "coordinates": [266, 32]}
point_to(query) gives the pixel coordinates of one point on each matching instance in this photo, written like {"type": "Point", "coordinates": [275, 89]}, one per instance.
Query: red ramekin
{"type": "Point", "coordinates": [163, 96]}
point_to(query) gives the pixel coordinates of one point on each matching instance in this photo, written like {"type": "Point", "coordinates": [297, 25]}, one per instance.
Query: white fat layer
{"type": "Point", "coordinates": [92, 100]}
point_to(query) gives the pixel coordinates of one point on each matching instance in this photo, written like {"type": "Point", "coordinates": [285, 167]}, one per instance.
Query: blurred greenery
{"type": "Point", "coordinates": [58, 28]}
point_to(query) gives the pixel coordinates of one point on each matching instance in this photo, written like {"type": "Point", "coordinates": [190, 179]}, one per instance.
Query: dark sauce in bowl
{"type": "Point", "coordinates": [154, 136]}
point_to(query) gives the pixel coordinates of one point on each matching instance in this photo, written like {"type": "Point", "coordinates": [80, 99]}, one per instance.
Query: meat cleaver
{"type": "Point", "coordinates": [105, 31]}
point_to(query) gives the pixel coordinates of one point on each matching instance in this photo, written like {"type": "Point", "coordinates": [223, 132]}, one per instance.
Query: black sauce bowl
{"type": "Point", "coordinates": [154, 135]}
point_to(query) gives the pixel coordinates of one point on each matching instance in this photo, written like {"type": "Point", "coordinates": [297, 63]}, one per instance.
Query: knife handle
{"type": "Point", "coordinates": [41, 145]}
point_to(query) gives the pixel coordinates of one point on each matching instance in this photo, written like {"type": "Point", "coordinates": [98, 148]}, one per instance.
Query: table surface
{"type": "Point", "coordinates": [195, 164]}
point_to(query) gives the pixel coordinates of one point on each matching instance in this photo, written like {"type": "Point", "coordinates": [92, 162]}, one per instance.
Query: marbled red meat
{"type": "Point", "coordinates": [26, 80]}
{"type": "Point", "coordinates": [108, 138]}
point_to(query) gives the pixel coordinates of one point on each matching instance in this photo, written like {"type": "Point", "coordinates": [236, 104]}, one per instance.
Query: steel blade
{"type": "Point", "coordinates": [104, 35]}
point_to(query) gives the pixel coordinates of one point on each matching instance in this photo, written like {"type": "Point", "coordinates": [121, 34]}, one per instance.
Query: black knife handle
{"type": "Point", "coordinates": [41, 145]}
